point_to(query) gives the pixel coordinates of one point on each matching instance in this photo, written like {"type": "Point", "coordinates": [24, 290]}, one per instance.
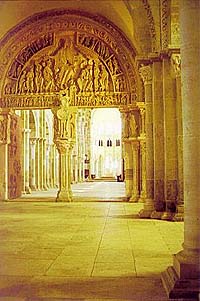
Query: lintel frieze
{"type": "Point", "coordinates": [49, 101]}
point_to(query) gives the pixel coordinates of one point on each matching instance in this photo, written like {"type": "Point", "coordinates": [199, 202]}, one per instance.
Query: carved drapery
{"type": "Point", "coordinates": [87, 54]}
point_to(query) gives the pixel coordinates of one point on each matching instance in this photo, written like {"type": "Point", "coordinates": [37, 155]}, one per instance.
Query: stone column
{"type": "Point", "coordinates": [176, 62]}
{"type": "Point", "coordinates": [127, 153]}
{"type": "Point", "coordinates": [146, 74]}
{"type": "Point", "coordinates": [88, 143]}
{"type": "Point", "coordinates": [41, 165]}
{"type": "Point", "coordinates": [4, 141]}
{"type": "Point", "coordinates": [55, 167]}
{"type": "Point", "coordinates": [142, 143]}
{"type": "Point", "coordinates": [143, 170]}
{"type": "Point", "coordinates": [51, 180]}
{"type": "Point", "coordinates": [182, 280]}
{"type": "Point", "coordinates": [44, 152]}
{"type": "Point", "coordinates": [48, 165]}
{"type": "Point", "coordinates": [158, 138]}
{"type": "Point", "coordinates": [64, 138]}
{"type": "Point", "coordinates": [170, 140]}
{"type": "Point", "coordinates": [64, 150]}
{"type": "Point", "coordinates": [37, 163]}
{"type": "Point", "coordinates": [33, 163]}
{"type": "Point", "coordinates": [135, 155]}
{"type": "Point", "coordinates": [26, 137]}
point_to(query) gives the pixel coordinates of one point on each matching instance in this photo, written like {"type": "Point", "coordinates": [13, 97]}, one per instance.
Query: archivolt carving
{"type": "Point", "coordinates": [86, 56]}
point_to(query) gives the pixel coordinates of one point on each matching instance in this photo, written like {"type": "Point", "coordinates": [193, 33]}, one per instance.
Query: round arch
{"type": "Point", "coordinates": [64, 49]}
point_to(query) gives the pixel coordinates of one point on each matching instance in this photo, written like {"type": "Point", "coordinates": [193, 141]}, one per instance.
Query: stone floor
{"type": "Point", "coordinates": [83, 251]}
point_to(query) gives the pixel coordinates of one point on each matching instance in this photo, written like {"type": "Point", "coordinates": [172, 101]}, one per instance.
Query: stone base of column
{"type": "Point", "coordinates": [180, 288]}
{"type": "Point", "coordinates": [179, 215]}
{"type": "Point", "coordinates": [64, 196]}
{"type": "Point", "coordinates": [167, 216]}
{"type": "Point", "coordinates": [27, 190]}
{"type": "Point", "coordinates": [33, 187]}
{"type": "Point", "coordinates": [142, 197]}
{"type": "Point", "coordinates": [134, 199]}
{"type": "Point", "coordinates": [148, 209]}
{"type": "Point", "coordinates": [156, 214]}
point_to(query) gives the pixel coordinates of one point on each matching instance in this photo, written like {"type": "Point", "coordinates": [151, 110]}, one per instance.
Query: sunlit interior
{"type": "Point", "coordinates": [106, 143]}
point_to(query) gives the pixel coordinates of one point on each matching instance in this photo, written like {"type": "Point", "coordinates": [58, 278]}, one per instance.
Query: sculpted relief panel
{"type": "Point", "coordinates": [86, 63]}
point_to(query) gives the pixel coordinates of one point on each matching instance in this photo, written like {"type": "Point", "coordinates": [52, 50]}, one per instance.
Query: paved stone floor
{"type": "Point", "coordinates": [83, 250]}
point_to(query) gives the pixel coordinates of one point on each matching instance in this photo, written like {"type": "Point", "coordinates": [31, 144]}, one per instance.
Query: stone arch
{"type": "Point", "coordinates": [63, 48]}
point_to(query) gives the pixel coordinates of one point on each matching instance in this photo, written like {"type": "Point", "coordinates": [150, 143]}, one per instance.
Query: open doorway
{"type": "Point", "coordinates": [96, 160]}
{"type": "Point", "coordinates": [106, 145]}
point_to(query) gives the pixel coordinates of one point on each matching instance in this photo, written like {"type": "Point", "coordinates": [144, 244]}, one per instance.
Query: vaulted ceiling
{"type": "Point", "coordinates": [139, 20]}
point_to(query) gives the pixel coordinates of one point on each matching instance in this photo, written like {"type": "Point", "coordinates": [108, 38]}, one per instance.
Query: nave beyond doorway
{"type": "Point", "coordinates": [94, 191]}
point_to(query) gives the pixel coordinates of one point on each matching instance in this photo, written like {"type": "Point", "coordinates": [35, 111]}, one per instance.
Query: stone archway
{"type": "Point", "coordinates": [57, 49]}
{"type": "Point", "coordinates": [64, 60]}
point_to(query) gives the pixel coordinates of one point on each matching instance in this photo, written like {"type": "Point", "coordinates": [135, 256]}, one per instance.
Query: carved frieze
{"type": "Point", "coordinates": [30, 101]}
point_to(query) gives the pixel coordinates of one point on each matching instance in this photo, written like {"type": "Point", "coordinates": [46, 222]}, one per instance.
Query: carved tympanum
{"type": "Point", "coordinates": [87, 54]}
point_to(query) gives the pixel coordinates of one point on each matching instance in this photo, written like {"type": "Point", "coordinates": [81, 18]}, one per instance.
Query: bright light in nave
{"type": "Point", "coordinates": [106, 152]}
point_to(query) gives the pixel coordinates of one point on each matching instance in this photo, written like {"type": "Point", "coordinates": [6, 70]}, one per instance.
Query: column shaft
{"type": "Point", "coordinates": [182, 280]}
{"type": "Point", "coordinates": [146, 74]}
{"type": "Point", "coordinates": [158, 132]}
{"type": "Point", "coordinates": [170, 140]}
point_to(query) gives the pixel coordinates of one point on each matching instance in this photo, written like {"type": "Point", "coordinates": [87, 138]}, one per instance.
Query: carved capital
{"type": "Point", "coordinates": [146, 74]}
{"type": "Point", "coordinates": [176, 63]}
{"type": "Point", "coordinates": [62, 146]}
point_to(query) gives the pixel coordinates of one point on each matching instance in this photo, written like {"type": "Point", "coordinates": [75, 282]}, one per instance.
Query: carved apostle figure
{"type": "Point", "coordinates": [132, 126]}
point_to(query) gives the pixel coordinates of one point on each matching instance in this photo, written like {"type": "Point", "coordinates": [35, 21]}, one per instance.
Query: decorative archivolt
{"type": "Point", "coordinates": [79, 54]}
